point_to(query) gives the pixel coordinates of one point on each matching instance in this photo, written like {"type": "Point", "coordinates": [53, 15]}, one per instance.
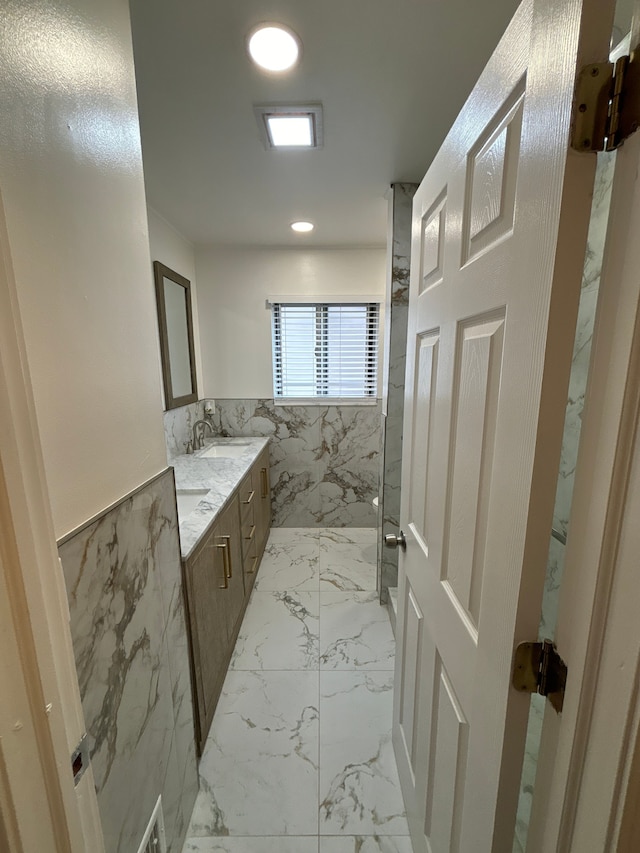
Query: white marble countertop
{"type": "Point", "coordinates": [219, 475]}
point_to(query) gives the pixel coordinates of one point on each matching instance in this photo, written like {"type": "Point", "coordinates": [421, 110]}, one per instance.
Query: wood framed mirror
{"type": "Point", "coordinates": [175, 322]}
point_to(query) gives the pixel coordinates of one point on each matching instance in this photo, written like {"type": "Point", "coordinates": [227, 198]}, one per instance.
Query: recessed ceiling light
{"type": "Point", "coordinates": [290, 126]}
{"type": "Point", "coordinates": [274, 47]}
{"type": "Point", "coordinates": [291, 130]}
{"type": "Point", "coordinates": [302, 227]}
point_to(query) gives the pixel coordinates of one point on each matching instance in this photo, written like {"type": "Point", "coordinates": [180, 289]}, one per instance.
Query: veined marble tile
{"type": "Point", "coordinates": [400, 206]}
{"type": "Point", "coordinates": [259, 770]}
{"type": "Point", "coordinates": [301, 423]}
{"type": "Point", "coordinates": [397, 360]}
{"type": "Point", "coordinates": [290, 561]}
{"type": "Point", "coordinates": [351, 434]}
{"type": "Point", "coordinates": [344, 505]}
{"type": "Point", "coordinates": [280, 631]}
{"type": "Point", "coordinates": [324, 459]}
{"type": "Point", "coordinates": [529, 768]}
{"type": "Point", "coordinates": [178, 426]}
{"type": "Point", "coordinates": [395, 345]}
{"type": "Point", "coordinates": [359, 786]}
{"type": "Point", "coordinates": [248, 844]}
{"type": "Point", "coordinates": [355, 632]}
{"type": "Point", "coordinates": [234, 417]}
{"type": "Point", "coordinates": [122, 574]}
{"type": "Point", "coordinates": [186, 781]}
{"type": "Point", "coordinates": [348, 559]}
{"type": "Point", "coordinates": [290, 535]}
{"type": "Point", "coordinates": [577, 385]}
{"type": "Point", "coordinates": [134, 761]}
{"type": "Point", "coordinates": [263, 417]}
{"type": "Point", "coordinates": [568, 458]}
{"type": "Point", "coordinates": [348, 535]}
{"type": "Point", "coordinates": [176, 815]}
{"type": "Point", "coordinates": [351, 444]}
{"type": "Point", "coordinates": [295, 494]}
{"type": "Point", "coordinates": [551, 595]}
{"type": "Point", "coordinates": [365, 844]}
{"type": "Point", "coordinates": [181, 782]}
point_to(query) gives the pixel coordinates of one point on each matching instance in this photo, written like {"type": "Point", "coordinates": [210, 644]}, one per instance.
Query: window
{"type": "Point", "coordinates": [325, 350]}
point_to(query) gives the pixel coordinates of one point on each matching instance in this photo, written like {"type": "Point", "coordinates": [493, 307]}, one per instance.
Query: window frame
{"type": "Point", "coordinates": [322, 306]}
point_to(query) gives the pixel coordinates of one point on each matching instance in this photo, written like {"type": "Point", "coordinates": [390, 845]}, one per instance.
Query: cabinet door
{"type": "Point", "coordinates": [248, 496]}
{"type": "Point", "coordinates": [227, 531]}
{"type": "Point", "coordinates": [263, 492]}
{"type": "Point", "coordinates": [208, 601]}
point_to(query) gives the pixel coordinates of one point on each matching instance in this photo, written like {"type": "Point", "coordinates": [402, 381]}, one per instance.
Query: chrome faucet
{"type": "Point", "coordinates": [198, 440]}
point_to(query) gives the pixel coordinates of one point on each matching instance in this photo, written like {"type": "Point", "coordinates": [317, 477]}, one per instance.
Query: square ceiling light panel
{"type": "Point", "coordinates": [290, 128]}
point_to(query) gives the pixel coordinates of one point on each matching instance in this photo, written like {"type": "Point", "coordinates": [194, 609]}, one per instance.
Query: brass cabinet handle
{"type": "Point", "coordinates": [228, 556]}
{"type": "Point", "coordinates": [251, 532]}
{"type": "Point", "coordinates": [255, 563]}
{"type": "Point", "coordinates": [250, 497]}
{"type": "Point", "coordinates": [225, 585]}
{"type": "Point", "coordinates": [265, 482]}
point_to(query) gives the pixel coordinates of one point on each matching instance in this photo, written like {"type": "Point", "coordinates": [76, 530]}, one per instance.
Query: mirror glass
{"type": "Point", "coordinates": [178, 336]}
{"type": "Point", "coordinates": [173, 295]}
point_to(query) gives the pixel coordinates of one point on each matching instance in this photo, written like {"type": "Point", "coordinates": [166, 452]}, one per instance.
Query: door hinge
{"type": "Point", "coordinates": [607, 104]}
{"type": "Point", "coordinates": [538, 668]}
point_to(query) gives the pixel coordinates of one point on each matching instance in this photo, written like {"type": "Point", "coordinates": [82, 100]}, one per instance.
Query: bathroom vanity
{"type": "Point", "coordinates": [224, 511]}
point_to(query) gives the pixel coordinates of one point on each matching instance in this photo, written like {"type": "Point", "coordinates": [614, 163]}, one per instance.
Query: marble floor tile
{"type": "Point", "coordinates": [349, 535]}
{"type": "Point", "coordinates": [299, 759]}
{"type": "Point", "coordinates": [346, 565]}
{"type": "Point", "coordinates": [289, 535]}
{"type": "Point", "coordinates": [247, 844]}
{"type": "Point", "coordinates": [290, 562]}
{"type": "Point", "coordinates": [259, 770]}
{"type": "Point", "coordinates": [365, 844]}
{"type": "Point", "coordinates": [355, 632]}
{"type": "Point", "coordinates": [280, 631]}
{"type": "Point", "coordinates": [359, 786]}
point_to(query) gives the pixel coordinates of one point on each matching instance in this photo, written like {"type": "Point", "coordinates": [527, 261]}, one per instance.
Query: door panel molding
{"type": "Point", "coordinates": [497, 263]}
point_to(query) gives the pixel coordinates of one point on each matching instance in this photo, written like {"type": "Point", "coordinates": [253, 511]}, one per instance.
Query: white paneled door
{"type": "Point", "coordinates": [499, 233]}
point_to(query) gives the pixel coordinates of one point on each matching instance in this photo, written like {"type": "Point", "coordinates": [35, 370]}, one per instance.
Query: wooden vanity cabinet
{"type": "Point", "coordinates": [255, 517]}
{"type": "Point", "coordinates": [262, 510]}
{"type": "Point", "coordinates": [215, 599]}
{"type": "Point", "coordinates": [248, 496]}
{"type": "Point", "coordinates": [219, 576]}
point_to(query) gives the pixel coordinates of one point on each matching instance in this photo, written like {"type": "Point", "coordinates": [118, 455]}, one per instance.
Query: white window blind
{"type": "Point", "coordinates": [325, 349]}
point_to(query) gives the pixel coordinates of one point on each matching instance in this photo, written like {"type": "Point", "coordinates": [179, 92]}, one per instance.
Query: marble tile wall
{"type": "Point", "coordinates": [568, 461]}
{"type": "Point", "coordinates": [123, 579]}
{"type": "Point", "coordinates": [396, 314]}
{"type": "Point", "coordinates": [178, 426]}
{"type": "Point", "coordinates": [324, 459]}
{"type": "Point", "coordinates": [578, 383]}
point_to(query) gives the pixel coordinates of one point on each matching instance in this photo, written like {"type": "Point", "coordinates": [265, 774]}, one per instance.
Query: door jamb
{"type": "Point", "coordinates": [47, 714]}
{"type": "Point", "coordinates": [595, 565]}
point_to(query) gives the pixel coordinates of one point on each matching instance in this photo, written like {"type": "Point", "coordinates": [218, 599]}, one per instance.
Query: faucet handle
{"type": "Point", "coordinates": [189, 447]}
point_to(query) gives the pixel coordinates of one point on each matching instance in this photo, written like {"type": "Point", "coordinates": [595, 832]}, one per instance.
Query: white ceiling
{"type": "Point", "coordinates": [391, 74]}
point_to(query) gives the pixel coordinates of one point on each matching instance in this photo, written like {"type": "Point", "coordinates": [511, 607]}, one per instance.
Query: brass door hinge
{"type": "Point", "coordinates": [606, 110]}
{"type": "Point", "coordinates": [538, 668]}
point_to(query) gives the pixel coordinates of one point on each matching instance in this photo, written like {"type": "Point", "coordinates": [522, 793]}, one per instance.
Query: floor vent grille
{"type": "Point", "coordinates": [153, 840]}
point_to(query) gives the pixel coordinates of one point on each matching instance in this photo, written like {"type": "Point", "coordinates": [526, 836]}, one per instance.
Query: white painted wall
{"type": "Point", "coordinates": [71, 179]}
{"type": "Point", "coordinates": [235, 326]}
{"type": "Point", "coordinates": [169, 247]}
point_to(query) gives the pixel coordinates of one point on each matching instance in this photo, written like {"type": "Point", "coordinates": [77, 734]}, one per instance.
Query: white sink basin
{"type": "Point", "coordinates": [224, 451]}
{"type": "Point", "coordinates": [188, 500]}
